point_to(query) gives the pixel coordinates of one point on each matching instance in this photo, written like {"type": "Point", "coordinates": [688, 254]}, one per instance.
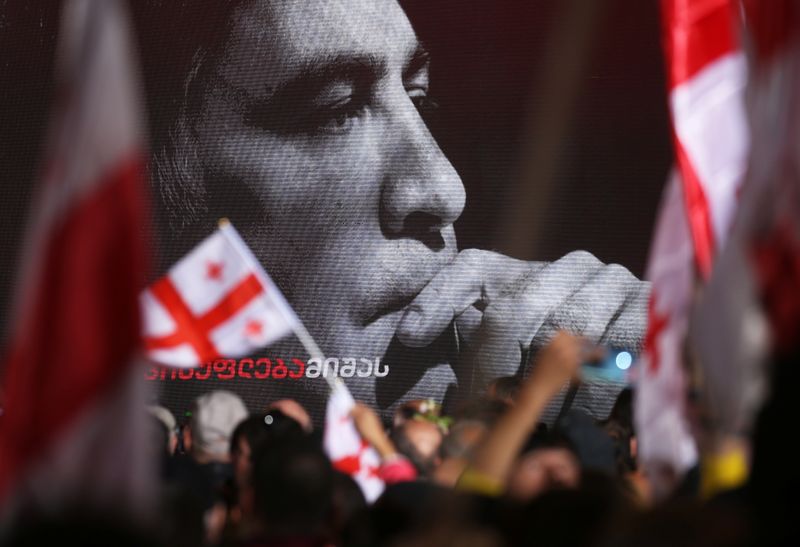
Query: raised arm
{"type": "Point", "coordinates": [555, 365]}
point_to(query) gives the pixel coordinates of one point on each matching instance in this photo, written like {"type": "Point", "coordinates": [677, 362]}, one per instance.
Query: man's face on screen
{"type": "Point", "coordinates": [316, 110]}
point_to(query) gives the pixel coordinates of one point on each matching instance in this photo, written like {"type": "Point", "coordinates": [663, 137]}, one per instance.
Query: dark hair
{"type": "Point", "coordinates": [262, 429]}
{"type": "Point", "coordinates": [505, 387]}
{"type": "Point", "coordinates": [619, 426]}
{"type": "Point", "coordinates": [399, 437]}
{"type": "Point", "coordinates": [349, 507]}
{"type": "Point", "coordinates": [544, 438]}
{"type": "Point", "coordinates": [181, 41]}
{"type": "Point", "coordinates": [159, 437]}
{"type": "Point", "coordinates": [622, 412]}
{"type": "Point", "coordinates": [293, 487]}
{"type": "Point", "coordinates": [455, 444]}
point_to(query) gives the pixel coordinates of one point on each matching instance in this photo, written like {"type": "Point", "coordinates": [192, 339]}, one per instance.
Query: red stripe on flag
{"type": "Point", "coordinates": [83, 319]}
{"type": "Point", "coordinates": [696, 33]}
{"type": "Point", "coordinates": [170, 341]}
{"type": "Point", "coordinates": [195, 330]}
{"type": "Point", "coordinates": [697, 212]}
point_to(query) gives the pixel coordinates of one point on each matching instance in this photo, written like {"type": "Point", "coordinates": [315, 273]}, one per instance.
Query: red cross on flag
{"type": "Point", "coordinates": [217, 301]}
{"type": "Point", "coordinates": [348, 452]}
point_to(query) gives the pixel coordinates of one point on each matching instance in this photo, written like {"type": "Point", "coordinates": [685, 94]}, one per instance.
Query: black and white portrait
{"type": "Point", "coordinates": [376, 204]}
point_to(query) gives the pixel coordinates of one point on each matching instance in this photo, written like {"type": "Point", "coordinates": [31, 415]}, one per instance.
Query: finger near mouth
{"type": "Point", "coordinates": [398, 279]}
{"type": "Point", "coordinates": [394, 304]}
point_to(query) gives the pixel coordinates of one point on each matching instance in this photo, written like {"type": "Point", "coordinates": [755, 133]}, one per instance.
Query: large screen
{"type": "Point", "coordinates": [437, 187]}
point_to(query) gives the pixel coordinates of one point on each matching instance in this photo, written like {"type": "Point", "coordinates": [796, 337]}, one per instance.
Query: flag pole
{"type": "Point", "coordinates": [298, 328]}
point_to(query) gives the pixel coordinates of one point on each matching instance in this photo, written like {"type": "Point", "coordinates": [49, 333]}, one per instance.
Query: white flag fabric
{"type": "Point", "coordinates": [664, 438]}
{"type": "Point", "coordinates": [707, 74]}
{"type": "Point", "coordinates": [750, 310]}
{"type": "Point", "coordinates": [348, 452]}
{"type": "Point", "coordinates": [215, 302]}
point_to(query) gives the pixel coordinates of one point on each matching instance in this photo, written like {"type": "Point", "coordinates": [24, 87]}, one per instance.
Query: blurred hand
{"type": "Point", "coordinates": [367, 422]}
{"type": "Point", "coordinates": [503, 306]}
{"type": "Point", "coordinates": [370, 428]}
{"type": "Point", "coordinates": [556, 364]}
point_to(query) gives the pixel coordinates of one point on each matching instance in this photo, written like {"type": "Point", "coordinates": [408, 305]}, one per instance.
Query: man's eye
{"type": "Point", "coordinates": [305, 117]}
{"type": "Point", "coordinates": [339, 117]}
{"type": "Point", "coordinates": [425, 104]}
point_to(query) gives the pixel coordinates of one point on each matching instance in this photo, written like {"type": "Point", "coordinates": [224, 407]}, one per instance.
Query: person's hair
{"type": "Point", "coordinates": [619, 426]}
{"type": "Point", "coordinates": [180, 48]}
{"type": "Point", "coordinates": [455, 444]}
{"type": "Point", "coordinates": [542, 438]}
{"type": "Point", "coordinates": [621, 438]}
{"type": "Point", "coordinates": [349, 507]}
{"type": "Point", "coordinates": [399, 437]}
{"type": "Point", "coordinates": [261, 429]}
{"type": "Point", "coordinates": [621, 415]}
{"type": "Point", "coordinates": [159, 437]}
{"type": "Point", "coordinates": [505, 387]}
{"type": "Point", "coordinates": [293, 488]}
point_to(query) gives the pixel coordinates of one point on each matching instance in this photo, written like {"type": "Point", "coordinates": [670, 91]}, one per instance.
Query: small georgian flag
{"type": "Point", "coordinates": [349, 453]}
{"type": "Point", "coordinates": [216, 301]}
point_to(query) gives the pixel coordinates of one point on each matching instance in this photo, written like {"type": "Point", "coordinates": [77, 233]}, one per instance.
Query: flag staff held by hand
{"type": "Point", "coordinates": [283, 306]}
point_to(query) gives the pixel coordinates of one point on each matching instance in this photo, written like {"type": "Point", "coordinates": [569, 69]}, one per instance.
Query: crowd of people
{"type": "Point", "coordinates": [493, 473]}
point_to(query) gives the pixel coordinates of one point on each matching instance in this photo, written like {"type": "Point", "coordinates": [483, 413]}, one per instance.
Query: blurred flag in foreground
{"type": "Point", "coordinates": [73, 427]}
{"type": "Point", "coordinates": [751, 308]}
{"type": "Point", "coordinates": [217, 301]}
{"type": "Point", "coordinates": [348, 452]}
{"type": "Point", "coordinates": [707, 75]}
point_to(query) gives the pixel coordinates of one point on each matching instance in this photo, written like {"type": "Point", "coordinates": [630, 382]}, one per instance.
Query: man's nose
{"type": "Point", "coordinates": [422, 193]}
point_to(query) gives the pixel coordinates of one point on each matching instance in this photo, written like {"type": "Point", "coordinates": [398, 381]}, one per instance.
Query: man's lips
{"type": "Point", "coordinates": [395, 306]}
{"type": "Point", "coordinates": [403, 276]}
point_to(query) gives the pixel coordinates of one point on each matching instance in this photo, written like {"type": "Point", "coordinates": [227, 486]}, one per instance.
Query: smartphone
{"type": "Point", "coordinates": [615, 366]}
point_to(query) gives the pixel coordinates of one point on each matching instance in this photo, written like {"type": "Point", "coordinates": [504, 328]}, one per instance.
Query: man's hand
{"type": "Point", "coordinates": [504, 306]}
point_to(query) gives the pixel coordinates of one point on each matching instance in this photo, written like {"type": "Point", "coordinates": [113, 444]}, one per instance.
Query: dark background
{"type": "Point", "coordinates": [490, 62]}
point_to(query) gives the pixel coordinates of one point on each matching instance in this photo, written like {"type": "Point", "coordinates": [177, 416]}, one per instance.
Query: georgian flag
{"type": "Point", "coordinates": [348, 452]}
{"type": "Point", "coordinates": [664, 439]}
{"type": "Point", "coordinates": [750, 310]}
{"type": "Point", "coordinates": [217, 301]}
{"type": "Point", "coordinates": [707, 74]}
{"type": "Point", "coordinates": [73, 428]}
